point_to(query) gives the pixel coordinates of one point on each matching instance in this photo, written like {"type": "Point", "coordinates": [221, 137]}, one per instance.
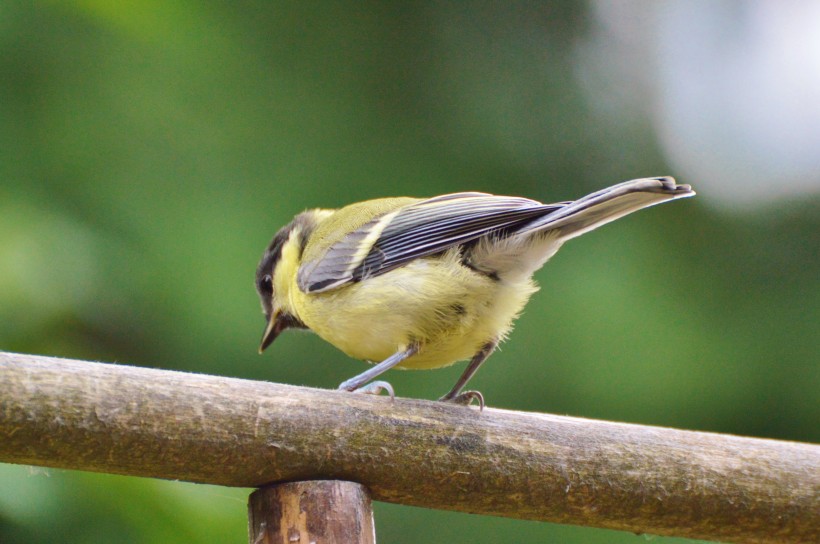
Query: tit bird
{"type": "Point", "coordinates": [424, 283]}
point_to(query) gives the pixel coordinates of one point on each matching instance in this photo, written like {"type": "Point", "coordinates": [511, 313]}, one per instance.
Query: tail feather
{"type": "Point", "coordinates": [606, 205]}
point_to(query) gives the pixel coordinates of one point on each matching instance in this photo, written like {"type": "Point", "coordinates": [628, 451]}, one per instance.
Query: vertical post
{"type": "Point", "coordinates": [311, 512]}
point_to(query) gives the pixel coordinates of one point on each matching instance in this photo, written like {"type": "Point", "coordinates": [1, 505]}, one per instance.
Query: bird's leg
{"type": "Point", "coordinates": [455, 394]}
{"type": "Point", "coordinates": [357, 383]}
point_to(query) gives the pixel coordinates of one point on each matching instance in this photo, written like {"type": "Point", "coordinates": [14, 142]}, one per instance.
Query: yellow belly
{"type": "Point", "coordinates": [450, 310]}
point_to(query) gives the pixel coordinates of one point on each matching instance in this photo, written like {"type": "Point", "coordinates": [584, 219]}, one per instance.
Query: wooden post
{"type": "Point", "coordinates": [311, 512]}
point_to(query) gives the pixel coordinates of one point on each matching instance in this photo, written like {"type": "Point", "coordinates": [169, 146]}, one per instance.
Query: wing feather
{"type": "Point", "coordinates": [414, 231]}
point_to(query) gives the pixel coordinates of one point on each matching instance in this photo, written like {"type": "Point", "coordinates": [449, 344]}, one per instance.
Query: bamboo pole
{"type": "Point", "coordinates": [144, 422]}
{"type": "Point", "coordinates": [311, 512]}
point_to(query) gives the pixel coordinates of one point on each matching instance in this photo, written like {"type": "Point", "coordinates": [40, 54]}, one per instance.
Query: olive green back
{"type": "Point", "coordinates": [348, 219]}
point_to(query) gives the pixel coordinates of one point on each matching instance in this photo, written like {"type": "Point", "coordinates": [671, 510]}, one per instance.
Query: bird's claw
{"type": "Point", "coordinates": [466, 399]}
{"type": "Point", "coordinates": [373, 388]}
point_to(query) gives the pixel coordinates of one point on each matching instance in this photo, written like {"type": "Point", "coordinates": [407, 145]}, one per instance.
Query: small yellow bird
{"type": "Point", "coordinates": [423, 283]}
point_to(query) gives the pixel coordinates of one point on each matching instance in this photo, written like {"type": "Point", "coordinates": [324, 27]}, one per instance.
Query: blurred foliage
{"type": "Point", "coordinates": [149, 151]}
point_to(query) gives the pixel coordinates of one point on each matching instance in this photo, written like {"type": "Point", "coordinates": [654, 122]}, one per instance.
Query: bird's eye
{"type": "Point", "coordinates": [266, 284]}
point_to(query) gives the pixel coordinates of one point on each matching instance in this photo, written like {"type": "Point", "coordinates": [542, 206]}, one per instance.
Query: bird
{"type": "Point", "coordinates": [424, 283]}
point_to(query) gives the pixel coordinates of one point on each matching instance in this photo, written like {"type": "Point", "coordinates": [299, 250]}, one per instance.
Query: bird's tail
{"type": "Point", "coordinates": [601, 207]}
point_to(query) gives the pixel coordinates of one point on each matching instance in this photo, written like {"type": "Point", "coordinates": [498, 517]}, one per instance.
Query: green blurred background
{"type": "Point", "coordinates": [150, 150]}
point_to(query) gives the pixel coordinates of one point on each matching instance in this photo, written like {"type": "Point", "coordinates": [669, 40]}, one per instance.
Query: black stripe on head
{"type": "Point", "coordinates": [303, 224]}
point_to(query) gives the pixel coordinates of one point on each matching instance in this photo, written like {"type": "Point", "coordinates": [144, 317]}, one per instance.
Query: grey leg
{"type": "Point", "coordinates": [455, 394]}
{"type": "Point", "coordinates": [356, 382]}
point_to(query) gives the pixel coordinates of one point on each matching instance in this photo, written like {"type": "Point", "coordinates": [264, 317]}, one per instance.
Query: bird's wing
{"type": "Point", "coordinates": [417, 230]}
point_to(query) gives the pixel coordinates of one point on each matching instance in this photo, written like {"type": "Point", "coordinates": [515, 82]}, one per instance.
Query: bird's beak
{"type": "Point", "coordinates": [276, 324]}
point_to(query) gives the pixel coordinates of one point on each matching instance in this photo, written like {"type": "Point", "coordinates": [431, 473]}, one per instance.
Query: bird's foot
{"type": "Point", "coordinates": [372, 388]}
{"type": "Point", "coordinates": [466, 399]}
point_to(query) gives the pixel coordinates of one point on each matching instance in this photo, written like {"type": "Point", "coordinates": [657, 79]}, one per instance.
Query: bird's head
{"type": "Point", "coordinates": [276, 273]}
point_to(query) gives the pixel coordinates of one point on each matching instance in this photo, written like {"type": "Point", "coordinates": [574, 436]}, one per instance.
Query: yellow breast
{"type": "Point", "coordinates": [450, 310]}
